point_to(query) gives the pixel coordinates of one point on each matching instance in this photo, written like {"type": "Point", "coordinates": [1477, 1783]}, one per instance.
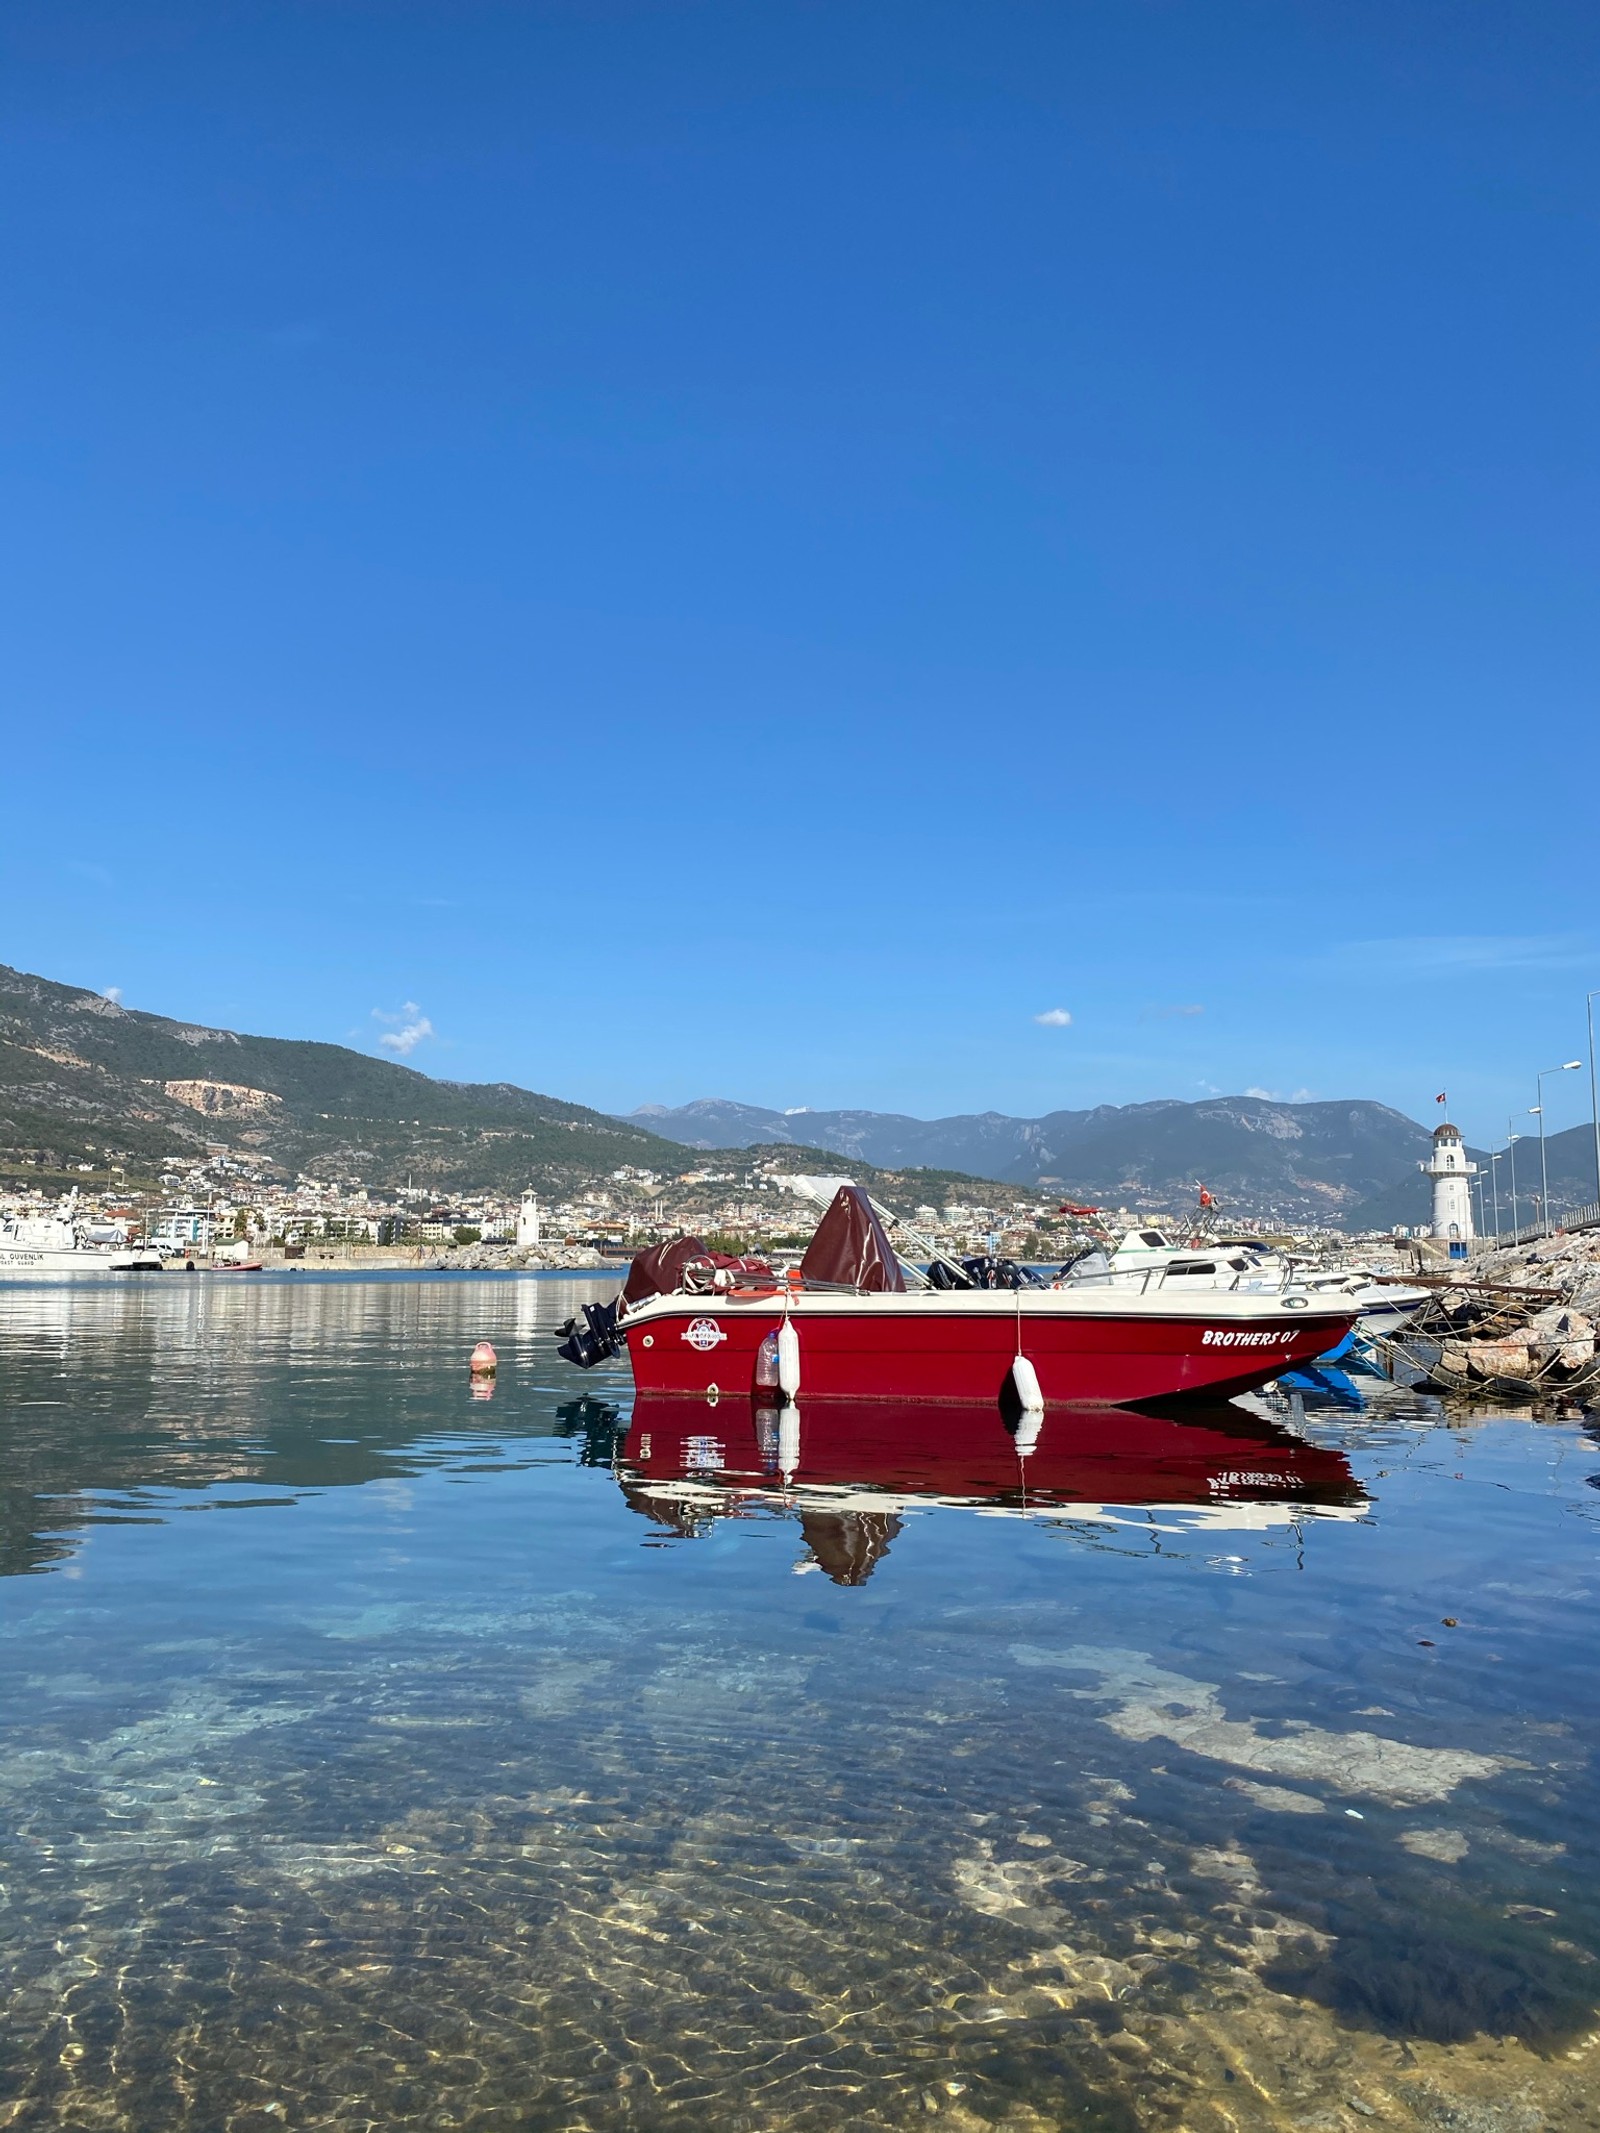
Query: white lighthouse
{"type": "Point", "coordinates": [528, 1221]}
{"type": "Point", "coordinates": [1452, 1190]}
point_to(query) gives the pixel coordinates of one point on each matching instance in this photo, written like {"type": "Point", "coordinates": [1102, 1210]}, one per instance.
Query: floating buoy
{"type": "Point", "coordinates": [484, 1361]}
{"type": "Point", "coordinates": [1026, 1380]}
{"type": "Point", "coordinates": [788, 1360]}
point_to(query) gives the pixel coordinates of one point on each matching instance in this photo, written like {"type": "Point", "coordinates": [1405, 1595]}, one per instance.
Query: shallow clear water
{"type": "Point", "coordinates": [372, 1755]}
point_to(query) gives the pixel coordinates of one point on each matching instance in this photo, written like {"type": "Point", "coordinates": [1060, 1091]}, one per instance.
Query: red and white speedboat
{"type": "Point", "coordinates": [847, 1325]}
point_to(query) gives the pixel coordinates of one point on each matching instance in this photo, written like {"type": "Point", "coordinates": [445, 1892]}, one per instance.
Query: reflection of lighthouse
{"type": "Point", "coordinates": [1452, 1191]}
{"type": "Point", "coordinates": [528, 1222]}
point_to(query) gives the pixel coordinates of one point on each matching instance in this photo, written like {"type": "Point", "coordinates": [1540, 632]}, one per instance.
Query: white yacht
{"type": "Point", "coordinates": [1149, 1258]}
{"type": "Point", "coordinates": [59, 1247]}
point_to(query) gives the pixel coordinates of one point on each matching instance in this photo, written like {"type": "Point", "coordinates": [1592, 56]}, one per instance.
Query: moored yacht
{"type": "Point", "coordinates": [1147, 1259]}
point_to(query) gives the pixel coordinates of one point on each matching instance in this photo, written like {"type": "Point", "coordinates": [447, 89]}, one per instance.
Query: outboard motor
{"type": "Point", "coordinates": [982, 1272]}
{"type": "Point", "coordinates": [593, 1342]}
{"type": "Point", "coordinates": [986, 1273]}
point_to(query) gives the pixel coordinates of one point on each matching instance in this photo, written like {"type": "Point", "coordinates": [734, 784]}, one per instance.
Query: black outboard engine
{"type": "Point", "coordinates": [986, 1273]}
{"type": "Point", "coordinates": [594, 1341]}
{"type": "Point", "coordinates": [982, 1272]}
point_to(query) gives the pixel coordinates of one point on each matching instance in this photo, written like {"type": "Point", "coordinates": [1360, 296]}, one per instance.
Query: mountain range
{"type": "Point", "coordinates": [85, 1080]}
{"type": "Point", "coordinates": [1351, 1164]}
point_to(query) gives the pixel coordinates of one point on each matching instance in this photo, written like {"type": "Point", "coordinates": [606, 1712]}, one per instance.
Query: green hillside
{"type": "Point", "coordinates": [84, 1080]}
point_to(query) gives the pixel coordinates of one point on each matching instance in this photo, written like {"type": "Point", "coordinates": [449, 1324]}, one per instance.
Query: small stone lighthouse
{"type": "Point", "coordinates": [528, 1221]}
{"type": "Point", "coordinates": [1452, 1191]}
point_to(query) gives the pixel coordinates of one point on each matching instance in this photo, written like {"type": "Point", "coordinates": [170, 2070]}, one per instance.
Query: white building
{"type": "Point", "coordinates": [178, 1229]}
{"type": "Point", "coordinates": [528, 1221]}
{"type": "Point", "coordinates": [1452, 1189]}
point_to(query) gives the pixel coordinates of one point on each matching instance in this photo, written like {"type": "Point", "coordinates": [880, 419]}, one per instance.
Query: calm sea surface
{"type": "Point", "coordinates": [372, 1755]}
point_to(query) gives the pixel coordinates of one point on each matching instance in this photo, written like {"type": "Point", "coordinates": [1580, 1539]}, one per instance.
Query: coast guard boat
{"type": "Point", "coordinates": [59, 1247]}
{"type": "Point", "coordinates": [856, 1321]}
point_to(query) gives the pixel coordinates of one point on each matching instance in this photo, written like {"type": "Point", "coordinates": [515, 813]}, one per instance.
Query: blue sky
{"type": "Point", "coordinates": [760, 550]}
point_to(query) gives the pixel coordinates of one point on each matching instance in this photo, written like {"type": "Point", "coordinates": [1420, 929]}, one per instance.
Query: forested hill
{"type": "Point", "coordinates": [85, 1080]}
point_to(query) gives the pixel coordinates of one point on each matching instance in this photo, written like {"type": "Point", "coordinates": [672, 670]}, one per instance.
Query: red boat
{"type": "Point", "coordinates": [849, 1470]}
{"type": "Point", "coordinates": [846, 1325]}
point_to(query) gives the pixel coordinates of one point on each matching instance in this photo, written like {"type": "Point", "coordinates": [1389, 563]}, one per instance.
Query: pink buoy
{"type": "Point", "coordinates": [484, 1362]}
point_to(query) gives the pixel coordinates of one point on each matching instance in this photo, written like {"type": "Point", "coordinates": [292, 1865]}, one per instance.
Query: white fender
{"type": "Point", "coordinates": [1026, 1380]}
{"type": "Point", "coordinates": [788, 1359]}
{"type": "Point", "coordinates": [1026, 1434]}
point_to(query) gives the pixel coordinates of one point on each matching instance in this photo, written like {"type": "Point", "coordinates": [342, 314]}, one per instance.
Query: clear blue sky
{"type": "Point", "coordinates": [755, 550]}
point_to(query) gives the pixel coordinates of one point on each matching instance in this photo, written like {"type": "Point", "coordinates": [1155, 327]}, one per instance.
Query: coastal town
{"type": "Point", "coordinates": [220, 1207]}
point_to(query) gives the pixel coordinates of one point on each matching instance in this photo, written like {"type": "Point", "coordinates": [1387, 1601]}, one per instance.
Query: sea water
{"type": "Point", "coordinates": [377, 1755]}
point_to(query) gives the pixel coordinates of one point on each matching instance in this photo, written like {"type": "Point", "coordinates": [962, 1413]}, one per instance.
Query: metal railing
{"type": "Point", "coordinates": [1530, 1232]}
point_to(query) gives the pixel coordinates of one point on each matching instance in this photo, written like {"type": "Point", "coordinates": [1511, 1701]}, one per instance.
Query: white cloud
{"type": "Point", "coordinates": [1267, 1096]}
{"type": "Point", "coordinates": [1276, 1096]}
{"type": "Point", "coordinates": [113, 993]}
{"type": "Point", "coordinates": [1053, 1018]}
{"type": "Point", "coordinates": [409, 1028]}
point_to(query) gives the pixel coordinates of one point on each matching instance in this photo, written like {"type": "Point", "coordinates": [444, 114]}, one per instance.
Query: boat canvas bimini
{"type": "Point", "coordinates": [855, 1321]}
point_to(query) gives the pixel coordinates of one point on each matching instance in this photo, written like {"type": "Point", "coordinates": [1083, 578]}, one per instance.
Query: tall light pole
{"type": "Point", "coordinates": [1494, 1190]}
{"type": "Point", "coordinates": [1594, 1105]}
{"type": "Point", "coordinates": [1567, 1066]}
{"type": "Point", "coordinates": [1512, 1139]}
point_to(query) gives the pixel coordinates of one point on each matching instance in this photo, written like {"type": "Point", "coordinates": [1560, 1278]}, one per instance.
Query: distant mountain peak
{"type": "Point", "coordinates": [1348, 1160]}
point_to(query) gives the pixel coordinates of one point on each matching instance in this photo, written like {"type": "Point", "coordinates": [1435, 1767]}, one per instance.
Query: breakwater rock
{"type": "Point", "coordinates": [1525, 1319]}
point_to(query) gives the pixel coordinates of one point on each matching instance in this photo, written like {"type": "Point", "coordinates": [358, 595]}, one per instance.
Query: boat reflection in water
{"type": "Point", "coordinates": [848, 1471]}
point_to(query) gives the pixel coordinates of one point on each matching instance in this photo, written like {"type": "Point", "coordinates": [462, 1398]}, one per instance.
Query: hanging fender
{"type": "Point", "coordinates": [788, 1359]}
{"type": "Point", "coordinates": [1026, 1380]}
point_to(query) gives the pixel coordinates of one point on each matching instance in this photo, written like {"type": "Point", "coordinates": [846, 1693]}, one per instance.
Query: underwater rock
{"type": "Point", "coordinates": [1155, 1704]}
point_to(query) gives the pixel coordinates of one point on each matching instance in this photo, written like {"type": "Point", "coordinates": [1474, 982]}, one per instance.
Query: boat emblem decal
{"type": "Point", "coordinates": [704, 1334]}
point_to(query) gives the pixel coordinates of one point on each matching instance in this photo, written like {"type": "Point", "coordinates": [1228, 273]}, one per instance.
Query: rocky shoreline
{"type": "Point", "coordinates": [1521, 1319]}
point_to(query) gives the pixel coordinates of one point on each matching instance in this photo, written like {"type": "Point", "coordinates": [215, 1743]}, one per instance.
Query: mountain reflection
{"type": "Point", "coordinates": [848, 1470]}
{"type": "Point", "coordinates": [113, 1396]}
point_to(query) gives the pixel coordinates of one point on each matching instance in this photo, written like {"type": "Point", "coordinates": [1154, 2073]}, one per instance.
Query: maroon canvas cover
{"type": "Point", "coordinates": [658, 1271]}
{"type": "Point", "coordinates": [851, 1245]}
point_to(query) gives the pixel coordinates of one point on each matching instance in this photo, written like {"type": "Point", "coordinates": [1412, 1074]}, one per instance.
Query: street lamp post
{"type": "Point", "coordinates": [1511, 1150]}
{"type": "Point", "coordinates": [1567, 1066]}
{"type": "Point", "coordinates": [1494, 1190]}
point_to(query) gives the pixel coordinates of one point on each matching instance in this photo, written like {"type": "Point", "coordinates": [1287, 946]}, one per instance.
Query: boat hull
{"type": "Point", "coordinates": [1116, 1352]}
{"type": "Point", "coordinates": [22, 1262]}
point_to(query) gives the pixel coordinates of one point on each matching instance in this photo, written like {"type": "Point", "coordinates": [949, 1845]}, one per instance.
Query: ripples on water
{"type": "Point", "coordinates": [377, 1756]}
